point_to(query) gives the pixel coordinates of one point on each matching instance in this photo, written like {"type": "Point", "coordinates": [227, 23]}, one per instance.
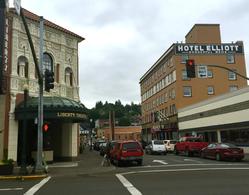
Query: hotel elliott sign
{"type": "Point", "coordinates": [208, 48]}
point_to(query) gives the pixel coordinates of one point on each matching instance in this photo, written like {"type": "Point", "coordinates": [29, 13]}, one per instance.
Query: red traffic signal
{"type": "Point", "coordinates": [45, 127]}
{"type": "Point", "coordinates": [190, 68]}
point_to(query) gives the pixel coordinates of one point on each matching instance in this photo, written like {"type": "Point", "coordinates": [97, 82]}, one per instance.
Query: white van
{"type": "Point", "coordinates": [170, 145]}
{"type": "Point", "coordinates": [156, 146]}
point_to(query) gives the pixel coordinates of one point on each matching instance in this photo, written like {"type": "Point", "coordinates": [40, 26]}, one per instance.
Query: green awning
{"type": "Point", "coordinates": [59, 108]}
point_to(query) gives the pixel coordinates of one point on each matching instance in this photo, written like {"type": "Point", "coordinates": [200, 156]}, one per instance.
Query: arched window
{"type": "Point", "coordinates": [47, 62]}
{"type": "Point", "coordinates": [69, 76]}
{"type": "Point", "coordinates": [23, 67]}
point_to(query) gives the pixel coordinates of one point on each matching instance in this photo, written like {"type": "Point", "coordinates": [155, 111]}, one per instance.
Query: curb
{"type": "Point", "coordinates": [26, 177]}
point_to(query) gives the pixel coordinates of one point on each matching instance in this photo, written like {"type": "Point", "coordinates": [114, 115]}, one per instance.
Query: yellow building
{"type": "Point", "coordinates": [165, 87]}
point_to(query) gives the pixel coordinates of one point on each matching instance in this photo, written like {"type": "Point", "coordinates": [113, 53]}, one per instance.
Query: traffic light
{"type": "Point", "coordinates": [190, 68]}
{"type": "Point", "coordinates": [45, 127]}
{"type": "Point", "coordinates": [49, 80]}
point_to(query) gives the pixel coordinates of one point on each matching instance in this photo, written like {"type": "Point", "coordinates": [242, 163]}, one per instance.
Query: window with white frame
{"type": "Point", "coordinates": [233, 88]}
{"type": "Point", "coordinates": [187, 91]}
{"type": "Point", "coordinates": [210, 74]}
{"type": "Point", "coordinates": [230, 58]}
{"type": "Point", "coordinates": [231, 75]}
{"type": "Point", "coordinates": [184, 75]}
{"type": "Point", "coordinates": [184, 58]}
{"type": "Point", "coordinates": [202, 71]}
{"type": "Point", "coordinates": [210, 90]}
{"type": "Point", "coordinates": [173, 94]}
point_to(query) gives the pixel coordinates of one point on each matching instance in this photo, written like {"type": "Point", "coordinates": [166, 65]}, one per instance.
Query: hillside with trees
{"type": "Point", "coordinates": [125, 114]}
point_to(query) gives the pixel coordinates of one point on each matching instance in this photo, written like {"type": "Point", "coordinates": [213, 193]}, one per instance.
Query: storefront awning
{"type": "Point", "coordinates": [57, 108]}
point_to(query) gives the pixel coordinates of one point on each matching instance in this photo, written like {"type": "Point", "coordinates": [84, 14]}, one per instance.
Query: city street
{"type": "Point", "coordinates": [160, 174]}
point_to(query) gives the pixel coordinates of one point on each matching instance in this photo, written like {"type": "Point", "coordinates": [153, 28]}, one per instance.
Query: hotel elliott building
{"type": "Point", "coordinates": [62, 108]}
{"type": "Point", "coordinates": [165, 87]}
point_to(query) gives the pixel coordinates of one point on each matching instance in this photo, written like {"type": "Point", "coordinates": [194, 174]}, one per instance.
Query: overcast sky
{"type": "Point", "coordinates": [124, 38]}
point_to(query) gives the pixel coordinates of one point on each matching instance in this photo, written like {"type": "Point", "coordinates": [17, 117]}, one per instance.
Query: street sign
{"type": "Point", "coordinates": [17, 5]}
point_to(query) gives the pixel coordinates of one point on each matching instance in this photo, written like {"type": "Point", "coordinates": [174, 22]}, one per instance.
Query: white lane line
{"type": "Point", "coordinates": [128, 185]}
{"type": "Point", "coordinates": [36, 187]}
{"type": "Point", "coordinates": [182, 165]}
{"type": "Point", "coordinates": [160, 161]}
{"type": "Point", "coordinates": [187, 159]}
{"type": "Point", "coordinates": [180, 170]}
{"type": "Point", "coordinates": [10, 189]}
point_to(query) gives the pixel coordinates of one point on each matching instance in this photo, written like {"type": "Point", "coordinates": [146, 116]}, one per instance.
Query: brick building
{"type": "Point", "coordinates": [165, 87]}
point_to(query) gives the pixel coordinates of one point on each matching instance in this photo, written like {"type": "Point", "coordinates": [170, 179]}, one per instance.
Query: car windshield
{"type": "Point", "coordinates": [159, 142]}
{"type": "Point", "coordinates": [130, 145]}
{"type": "Point", "coordinates": [227, 145]}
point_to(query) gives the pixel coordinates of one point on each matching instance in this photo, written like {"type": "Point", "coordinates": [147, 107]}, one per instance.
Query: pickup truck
{"type": "Point", "coordinates": [190, 145]}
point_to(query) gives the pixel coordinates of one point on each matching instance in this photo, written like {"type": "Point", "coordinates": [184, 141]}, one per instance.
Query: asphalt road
{"type": "Point", "coordinates": [159, 174]}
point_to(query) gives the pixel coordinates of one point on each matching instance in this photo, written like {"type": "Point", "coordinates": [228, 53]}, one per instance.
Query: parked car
{"type": "Point", "coordinates": [97, 143]}
{"type": "Point", "coordinates": [156, 147]}
{"type": "Point", "coordinates": [170, 145]}
{"type": "Point", "coordinates": [190, 145]}
{"type": "Point", "coordinates": [222, 151]}
{"type": "Point", "coordinates": [127, 151]}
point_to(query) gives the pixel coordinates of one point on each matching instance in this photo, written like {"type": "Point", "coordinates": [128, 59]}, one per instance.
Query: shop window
{"type": "Point", "coordinates": [236, 137]}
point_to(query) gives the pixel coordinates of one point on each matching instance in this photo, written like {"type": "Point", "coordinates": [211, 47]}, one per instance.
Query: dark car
{"type": "Point", "coordinates": [127, 151]}
{"type": "Point", "coordinates": [102, 148]}
{"type": "Point", "coordinates": [222, 151]}
{"type": "Point", "coordinates": [97, 143]}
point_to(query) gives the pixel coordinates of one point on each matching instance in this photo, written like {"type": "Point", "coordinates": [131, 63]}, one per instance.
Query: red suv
{"type": "Point", "coordinates": [127, 151]}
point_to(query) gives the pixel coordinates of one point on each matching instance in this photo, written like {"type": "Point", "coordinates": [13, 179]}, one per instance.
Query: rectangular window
{"type": "Point", "coordinates": [210, 74]}
{"type": "Point", "coordinates": [231, 75]}
{"type": "Point", "coordinates": [187, 91]}
{"type": "Point", "coordinates": [233, 88]}
{"type": "Point", "coordinates": [230, 58]}
{"type": "Point", "coordinates": [184, 75]}
{"type": "Point", "coordinates": [210, 90]}
{"type": "Point", "coordinates": [202, 71]}
{"type": "Point", "coordinates": [184, 58]}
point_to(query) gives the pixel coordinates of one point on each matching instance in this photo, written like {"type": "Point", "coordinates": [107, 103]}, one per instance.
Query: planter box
{"type": "Point", "coordinates": [6, 169]}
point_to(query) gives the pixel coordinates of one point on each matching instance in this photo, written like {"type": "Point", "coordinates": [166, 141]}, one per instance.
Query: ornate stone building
{"type": "Point", "coordinates": [62, 108]}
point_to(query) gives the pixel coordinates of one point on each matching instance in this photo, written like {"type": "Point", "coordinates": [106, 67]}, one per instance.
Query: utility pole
{"type": "Point", "coordinates": [38, 166]}
{"type": "Point", "coordinates": [112, 123]}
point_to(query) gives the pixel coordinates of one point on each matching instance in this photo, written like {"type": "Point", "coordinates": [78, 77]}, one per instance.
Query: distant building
{"type": "Point", "coordinates": [165, 87]}
{"type": "Point", "coordinates": [123, 133]}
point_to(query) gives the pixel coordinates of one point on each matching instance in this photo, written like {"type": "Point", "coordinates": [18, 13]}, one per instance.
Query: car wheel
{"type": "Point", "coordinates": [202, 155]}
{"type": "Point", "coordinates": [176, 151]}
{"type": "Point", "coordinates": [187, 153]}
{"type": "Point", "coordinates": [218, 157]}
{"type": "Point", "coordinates": [119, 163]}
{"type": "Point", "coordinates": [140, 162]}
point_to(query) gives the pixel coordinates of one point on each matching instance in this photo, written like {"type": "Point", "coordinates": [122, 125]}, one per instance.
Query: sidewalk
{"type": "Point", "coordinates": [89, 162]}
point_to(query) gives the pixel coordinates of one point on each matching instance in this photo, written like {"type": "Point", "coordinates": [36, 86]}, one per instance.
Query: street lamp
{"type": "Point", "coordinates": [23, 169]}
